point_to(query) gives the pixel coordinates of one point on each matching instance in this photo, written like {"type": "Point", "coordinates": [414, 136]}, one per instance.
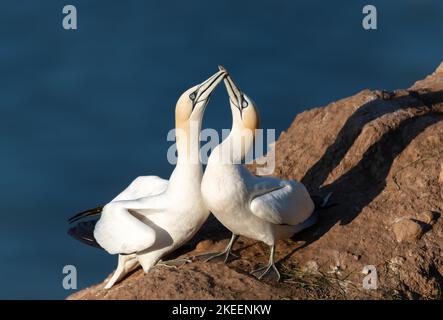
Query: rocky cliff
{"type": "Point", "coordinates": [381, 154]}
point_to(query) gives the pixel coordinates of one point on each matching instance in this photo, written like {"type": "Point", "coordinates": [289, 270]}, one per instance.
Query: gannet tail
{"type": "Point", "coordinates": [84, 232]}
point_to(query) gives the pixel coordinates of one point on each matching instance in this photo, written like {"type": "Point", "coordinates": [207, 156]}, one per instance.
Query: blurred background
{"type": "Point", "coordinates": [83, 112]}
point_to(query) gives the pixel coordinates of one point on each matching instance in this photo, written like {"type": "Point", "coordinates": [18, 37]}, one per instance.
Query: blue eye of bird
{"type": "Point", "coordinates": [192, 96]}
{"type": "Point", "coordinates": [244, 104]}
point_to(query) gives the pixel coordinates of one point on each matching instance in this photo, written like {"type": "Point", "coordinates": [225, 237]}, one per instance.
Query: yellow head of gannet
{"type": "Point", "coordinates": [189, 112]}
{"type": "Point", "coordinates": [192, 103]}
{"type": "Point", "coordinates": [245, 122]}
{"type": "Point", "coordinates": [244, 111]}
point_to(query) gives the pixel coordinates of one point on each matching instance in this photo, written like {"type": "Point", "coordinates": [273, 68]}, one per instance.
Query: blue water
{"type": "Point", "coordinates": [84, 112]}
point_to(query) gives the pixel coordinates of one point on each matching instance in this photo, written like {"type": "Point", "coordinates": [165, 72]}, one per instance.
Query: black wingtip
{"type": "Point", "coordinates": [84, 214]}
{"type": "Point", "coordinates": [84, 232]}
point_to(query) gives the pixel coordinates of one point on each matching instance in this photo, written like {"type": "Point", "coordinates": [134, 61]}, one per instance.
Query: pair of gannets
{"type": "Point", "coordinates": [153, 217]}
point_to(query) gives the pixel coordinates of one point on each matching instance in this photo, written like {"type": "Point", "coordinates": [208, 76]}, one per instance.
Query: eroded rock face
{"type": "Point", "coordinates": [381, 154]}
{"type": "Point", "coordinates": [407, 230]}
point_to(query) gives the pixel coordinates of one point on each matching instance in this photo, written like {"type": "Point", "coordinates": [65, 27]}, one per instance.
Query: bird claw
{"type": "Point", "coordinates": [225, 253]}
{"type": "Point", "coordinates": [268, 268]}
{"type": "Point", "coordinates": [174, 263]}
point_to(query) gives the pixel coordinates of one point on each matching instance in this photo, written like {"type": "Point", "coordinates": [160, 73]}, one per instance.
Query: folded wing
{"type": "Point", "coordinates": [84, 231]}
{"type": "Point", "coordinates": [281, 201]}
{"type": "Point", "coordinates": [120, 232]}
{"type": "Point", "coordinates": [141, 187]}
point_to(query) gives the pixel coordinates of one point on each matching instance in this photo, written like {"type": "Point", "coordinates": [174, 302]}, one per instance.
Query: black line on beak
{"type": "Point", "coordinates": [209, 86]}
{"type": "Point", "coordinates": [239, 107]}
{"type": "Point", "coordinates": [230, 86]}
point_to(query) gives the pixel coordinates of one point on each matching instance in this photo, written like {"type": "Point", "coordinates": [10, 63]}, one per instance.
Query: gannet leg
{"type": "Point", "coordinates": [174, 263]}
{"type": "Point", "coordinates": [269, 267]}
{"type": "Point", "coordinates": [227, 252]}
{"type": "Point", "coordinates": [126, 263]}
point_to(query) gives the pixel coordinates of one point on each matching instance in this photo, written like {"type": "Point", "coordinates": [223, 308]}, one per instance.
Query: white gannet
{"type": "Point", "coordinates": [262, 208]}
{"type": "Point", "coordinates": [153, 216]}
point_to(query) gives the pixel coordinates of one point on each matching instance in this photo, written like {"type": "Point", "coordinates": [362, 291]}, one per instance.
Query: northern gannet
{"type": "Point", "coordinates": [262, 208]}
{"type": "Point", "coordinates": [153, 217]}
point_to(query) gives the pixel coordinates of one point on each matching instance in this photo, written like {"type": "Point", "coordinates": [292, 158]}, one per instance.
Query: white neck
{"type": "Point", "coordinates": [235, 147]}
{"type": "Point", "coordinates": [188, 143]}
{"type": "Point", "coordinates": [188, 171]}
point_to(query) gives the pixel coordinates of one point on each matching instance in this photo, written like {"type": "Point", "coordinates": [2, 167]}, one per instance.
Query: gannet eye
{"type": "Point", "coordinates": [192, 96]}
{"type": "Point", "coordinates": [244, 104]}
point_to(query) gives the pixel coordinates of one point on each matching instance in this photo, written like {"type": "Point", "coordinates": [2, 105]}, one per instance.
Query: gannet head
{"type": "Point", "coordinates": [192, 103]}
{"type": "Point", "coordinates": [244, 111]}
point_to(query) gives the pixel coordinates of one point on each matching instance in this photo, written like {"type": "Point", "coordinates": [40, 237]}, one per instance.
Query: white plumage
{"type": "Point", "coordinates": [119, 231]}
{"type": "Point", "coordinates": [262, 208]}
{"type": "Point", "coordinates": [280, 201]}
{"type": "Point", "coordinates": [153, 216]}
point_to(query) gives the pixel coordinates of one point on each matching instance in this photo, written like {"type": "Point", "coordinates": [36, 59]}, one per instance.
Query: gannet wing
{"type": "Point", "coordinates": [118, 231]}
{"type": "Point", "coordinates": [280, 201]}
{"type": "Point", "coordinates": [84, 232]}
{"type": "Point", "coordinates": [142, 186]}
{"type": "Point", "coordinates": [124, 225]}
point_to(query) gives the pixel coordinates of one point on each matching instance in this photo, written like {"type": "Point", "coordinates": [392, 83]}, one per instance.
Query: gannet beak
{"type": "Point", "coordinates": [207, 87]}
{"type": "Point", "coordinates": [235, 94]}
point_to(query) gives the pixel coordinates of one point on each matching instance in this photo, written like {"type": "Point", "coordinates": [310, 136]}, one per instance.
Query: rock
{"type": "Point", "coordinates": [377, 152]}
{"type": "Point", "coordinates": [407, 230]}
{"type": "Point", "coordinates": [440, 178]}
{"type": "Point", "coordinates": [204, 246]}
{"type": "Point", "coordinates": [204, 281]}
{"type": "Point", "coordinates": [396, 263]}
{"type": "Point", "coordinates": [427, 217]}
{"type": "Point", "coordinates": [311, 267]}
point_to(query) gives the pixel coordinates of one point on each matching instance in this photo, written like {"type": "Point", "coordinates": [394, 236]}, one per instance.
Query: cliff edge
{"type": "Point", "coordinates": [381, 155]}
